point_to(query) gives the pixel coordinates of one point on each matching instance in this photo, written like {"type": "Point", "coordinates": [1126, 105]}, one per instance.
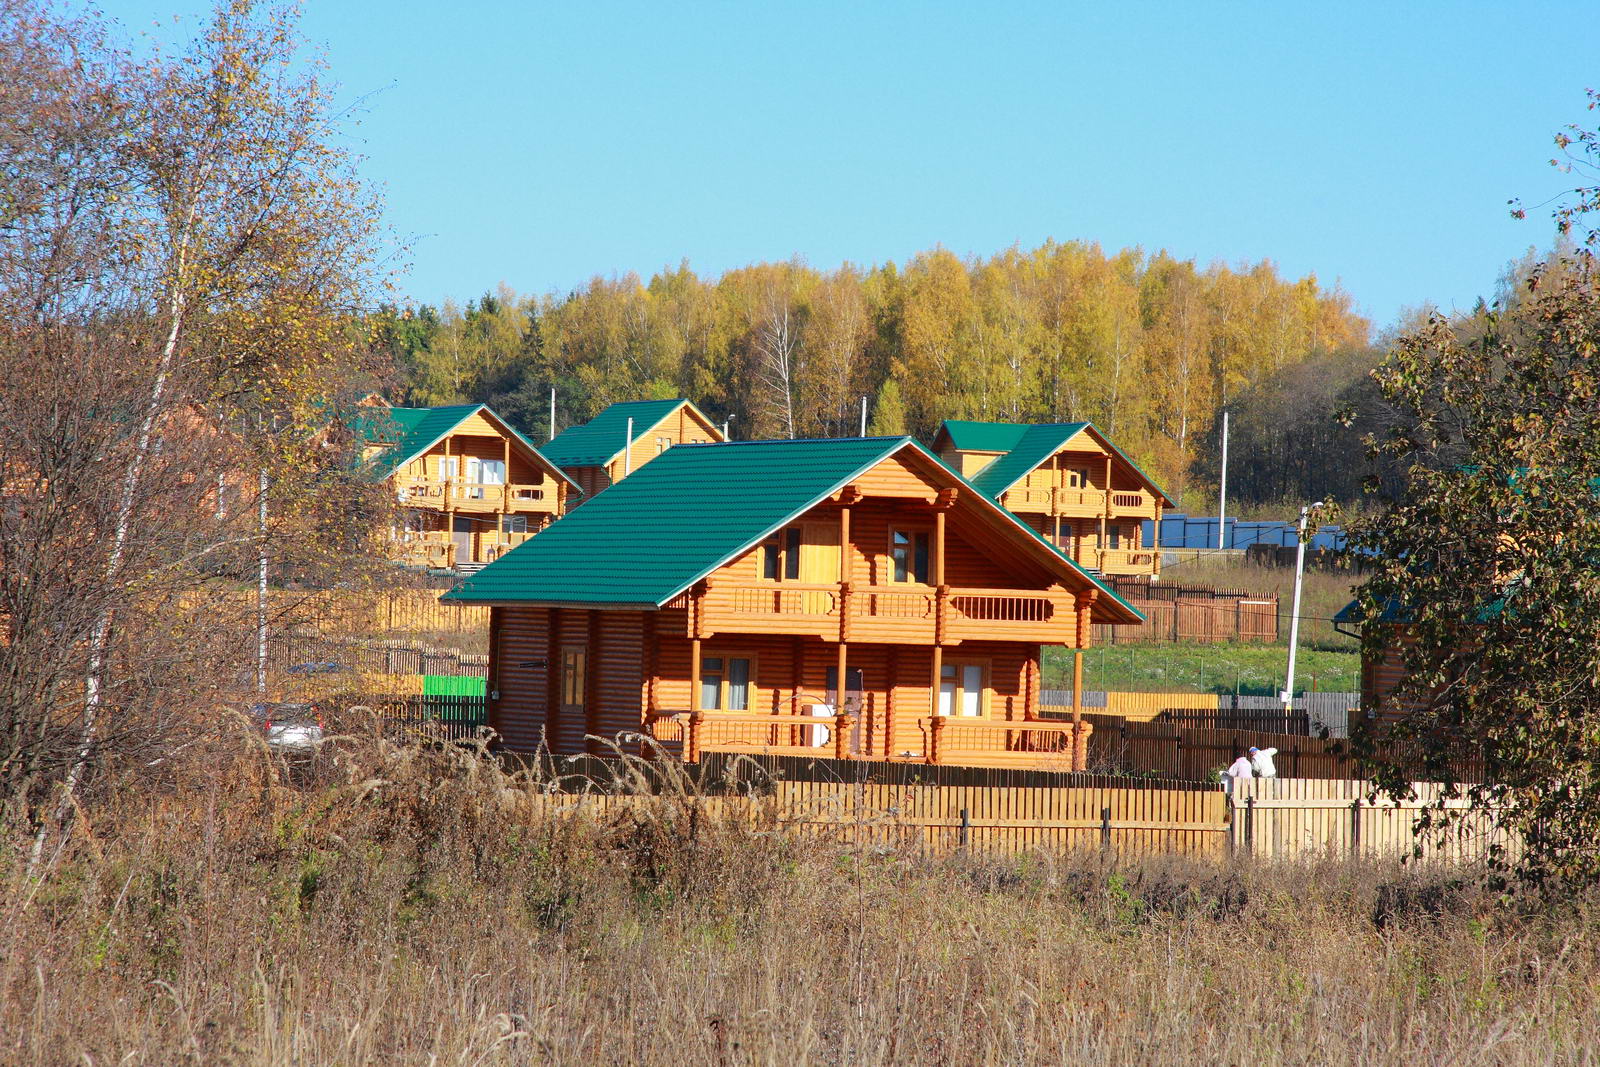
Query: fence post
{"type": "Point", "coordinates": [1355, 827]}
{"type": "Point", "coordinates": [966, 828]}
{"type": "Point", "coordinates": [1105, 828]}
{"type": "Point", "coordinates": [1250, 824]}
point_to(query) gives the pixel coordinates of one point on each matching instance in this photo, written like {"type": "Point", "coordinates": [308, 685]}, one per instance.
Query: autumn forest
{"type": "Point", "coordinates": [1147, 346]}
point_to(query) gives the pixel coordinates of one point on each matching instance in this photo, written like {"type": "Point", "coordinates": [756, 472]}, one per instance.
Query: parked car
{"type": "Point", "coordinates": [289, 728]}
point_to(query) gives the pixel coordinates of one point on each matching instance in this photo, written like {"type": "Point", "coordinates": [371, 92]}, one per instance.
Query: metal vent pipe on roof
{"type": "Point", "coordinates": [627, 451]}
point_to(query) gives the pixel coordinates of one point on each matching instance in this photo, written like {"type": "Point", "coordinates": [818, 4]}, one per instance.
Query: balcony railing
{"type": "Point", "coordinates": [1128, 561]}
{"type": "Point", "coordinates": [980, 742]}
{"type": "Point", "coordinates": [950, 740]}
{"type": "Point", "coordinates": [472, 496]}
{"type": "Point", "coordinates": [1081, 503]}
{"type": "Point", "coordinates": [886, 613]}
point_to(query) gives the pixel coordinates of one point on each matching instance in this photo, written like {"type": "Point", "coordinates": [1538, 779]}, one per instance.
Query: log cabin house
{"type": "Point", "coordinates": [626, 436]}
{"type": "Point", "coordinates": [469, 486]}
{"type": "Point", "coordinates": [721, 598]}
{"type": "Point", "coordinates": [1069, 483]}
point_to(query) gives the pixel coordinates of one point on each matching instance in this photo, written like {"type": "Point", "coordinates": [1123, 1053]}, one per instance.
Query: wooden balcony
{"type": "Point", "coordinates": [454, 495]}
{"type": "Point", "coordinates": [900, 614]}
{"type": "Point", "coordinates": [956, 741]}
{"type": "Point", "coordinates": [1074, 503]}
{"type": "Point", "coordinates": [433, 550]}
{"type": "Point", "coordinates": [1127, 560]}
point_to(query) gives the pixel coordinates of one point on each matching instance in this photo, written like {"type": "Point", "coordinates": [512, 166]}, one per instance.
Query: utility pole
{"type": "Point", "coordinates": [1287, 695]}
{"type": "Point", "coordinates": [863, 415]}
{"type": "Point", "coordinates": [552, 413]}
{"type": "Point", "coordinates": [1222, 496]}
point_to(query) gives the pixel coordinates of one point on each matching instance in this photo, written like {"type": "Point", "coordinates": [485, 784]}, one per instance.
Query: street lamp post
{"type": "Point", "coordinates": [1294, 618]}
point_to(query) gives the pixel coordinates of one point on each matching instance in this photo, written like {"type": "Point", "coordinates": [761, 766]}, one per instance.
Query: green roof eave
{"type": "Point", "coordinates": [596, 443]}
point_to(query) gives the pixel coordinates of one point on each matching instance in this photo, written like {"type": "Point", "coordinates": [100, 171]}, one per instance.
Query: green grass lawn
{"type": "Point", "coordinates": [1255, 670]}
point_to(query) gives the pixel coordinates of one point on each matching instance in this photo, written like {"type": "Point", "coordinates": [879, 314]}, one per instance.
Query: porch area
{"type": "Point", "coordinates": [871, 734]}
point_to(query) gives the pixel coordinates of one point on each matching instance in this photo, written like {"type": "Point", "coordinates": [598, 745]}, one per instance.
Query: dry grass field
{"type": "Point", "coordinates": [400, 906]}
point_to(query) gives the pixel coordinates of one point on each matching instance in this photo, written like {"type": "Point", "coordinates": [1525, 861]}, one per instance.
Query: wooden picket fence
{"type": "Point", "coordinates": [936, 820]}
{"type": "Point", "coordinates": [1277, 817]}
{"type": "Point", "coordinates": [1266, 819]}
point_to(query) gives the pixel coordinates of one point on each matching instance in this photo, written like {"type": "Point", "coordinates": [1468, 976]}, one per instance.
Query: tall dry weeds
{"type": "Point", "coordinates": [400, 904]}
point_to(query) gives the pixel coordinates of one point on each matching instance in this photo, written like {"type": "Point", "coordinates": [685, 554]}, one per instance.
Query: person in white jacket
{"type": "Point", "coordinates": [1261, 762]}
{"type": "Point", "coordinates": [1238, 770]}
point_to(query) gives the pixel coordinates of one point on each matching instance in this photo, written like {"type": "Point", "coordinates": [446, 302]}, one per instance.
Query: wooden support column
{"type": "Point", "coordinates": [449, 510]}
{"type": "Point", "coordinates": [691, 741]}
{"type": "Point", "coordinates": [848, 496]}
{"type": "Point", "coordinates": [938, 669]}
{"type": "Point", "coordinates": [1077, 689]}
{"type": "Point", "coordinates": [1155, 536]}
{"type": "Point", "coordinates": [1105, 517]}
{"type": "Point", "coordinates": [1085, 605]}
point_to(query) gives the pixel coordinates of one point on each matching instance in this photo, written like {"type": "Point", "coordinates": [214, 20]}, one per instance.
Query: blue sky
{"type": "Point", "coordinates": [539, 144]}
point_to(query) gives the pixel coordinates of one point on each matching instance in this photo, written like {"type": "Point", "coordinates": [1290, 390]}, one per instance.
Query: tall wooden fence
{"type": "Point", "coordinates": [1193, 613]}
{"type": "Point", "coordinates": [1195, 754]}
{"type": "Point", "coordinates": [1309, 714]}
{"type": "Point", "coordinates": [1275, 818]}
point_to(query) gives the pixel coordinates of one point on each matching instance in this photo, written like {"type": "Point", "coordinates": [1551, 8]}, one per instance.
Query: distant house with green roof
{"type": "Point", "coordinates": [470, 486]}
{"type": "Point", "coordinates": [850, 598]}
{"type": "Point", "coordinates": [1067, 481]}
{"type": "Point", "coordinates": [626, 436]}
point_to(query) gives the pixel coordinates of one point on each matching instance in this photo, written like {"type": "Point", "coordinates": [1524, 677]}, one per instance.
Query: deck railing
{"type": "Point", "coordinates": [1126, 560]}
{"type": "Point", "coordinates": [435, 550]}
{"type": "Point", "coordinates": [469, 495]}
{"type": "Point", "coordinates": [787, 598]}
{"type": "Point", "coordinates": [978, 741]}
{"type": "Point", "coordinates": [1080, 503]}
{"type": "Point", "coordinates": [693, 733]}
{"type": "Point", "coordinates": [953, 740]}
{"type": "Point", "coordinates": [887, 612]}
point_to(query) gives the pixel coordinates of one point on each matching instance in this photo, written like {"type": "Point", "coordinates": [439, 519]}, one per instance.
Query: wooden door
{"type": "Point", "coordinates": [819, 564]}
{"type": "Point", "coordinates": [461, 534]}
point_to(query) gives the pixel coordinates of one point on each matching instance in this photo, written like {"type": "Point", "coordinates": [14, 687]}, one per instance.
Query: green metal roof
{"type": "Point", "coordinates": [686, 513]}
{"type": "Point", "coordinates": [412, 431]}
{"type": "Point", "coordinates": [1025, 448]}
{"type": "Point", "coordinates": [1035, 445]}
{"type": "Point", "coordinates": [984, 436]}
{"type": "Point", "coordinates": [599, 441]}
{"type": "Point", "coordinates": [673, 521]}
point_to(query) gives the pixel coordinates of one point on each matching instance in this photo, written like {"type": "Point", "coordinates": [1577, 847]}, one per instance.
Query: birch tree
{"type": "Point", "coordinates": [192, 247]}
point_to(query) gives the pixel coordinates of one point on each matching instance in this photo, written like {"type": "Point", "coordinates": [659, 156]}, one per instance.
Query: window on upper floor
{"type": "Point", "coordinates": [780, 555]}
{"type": "Point", "coordinates": [662, 444]}
{"type": "Point", "coordinates": [908, 555]}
